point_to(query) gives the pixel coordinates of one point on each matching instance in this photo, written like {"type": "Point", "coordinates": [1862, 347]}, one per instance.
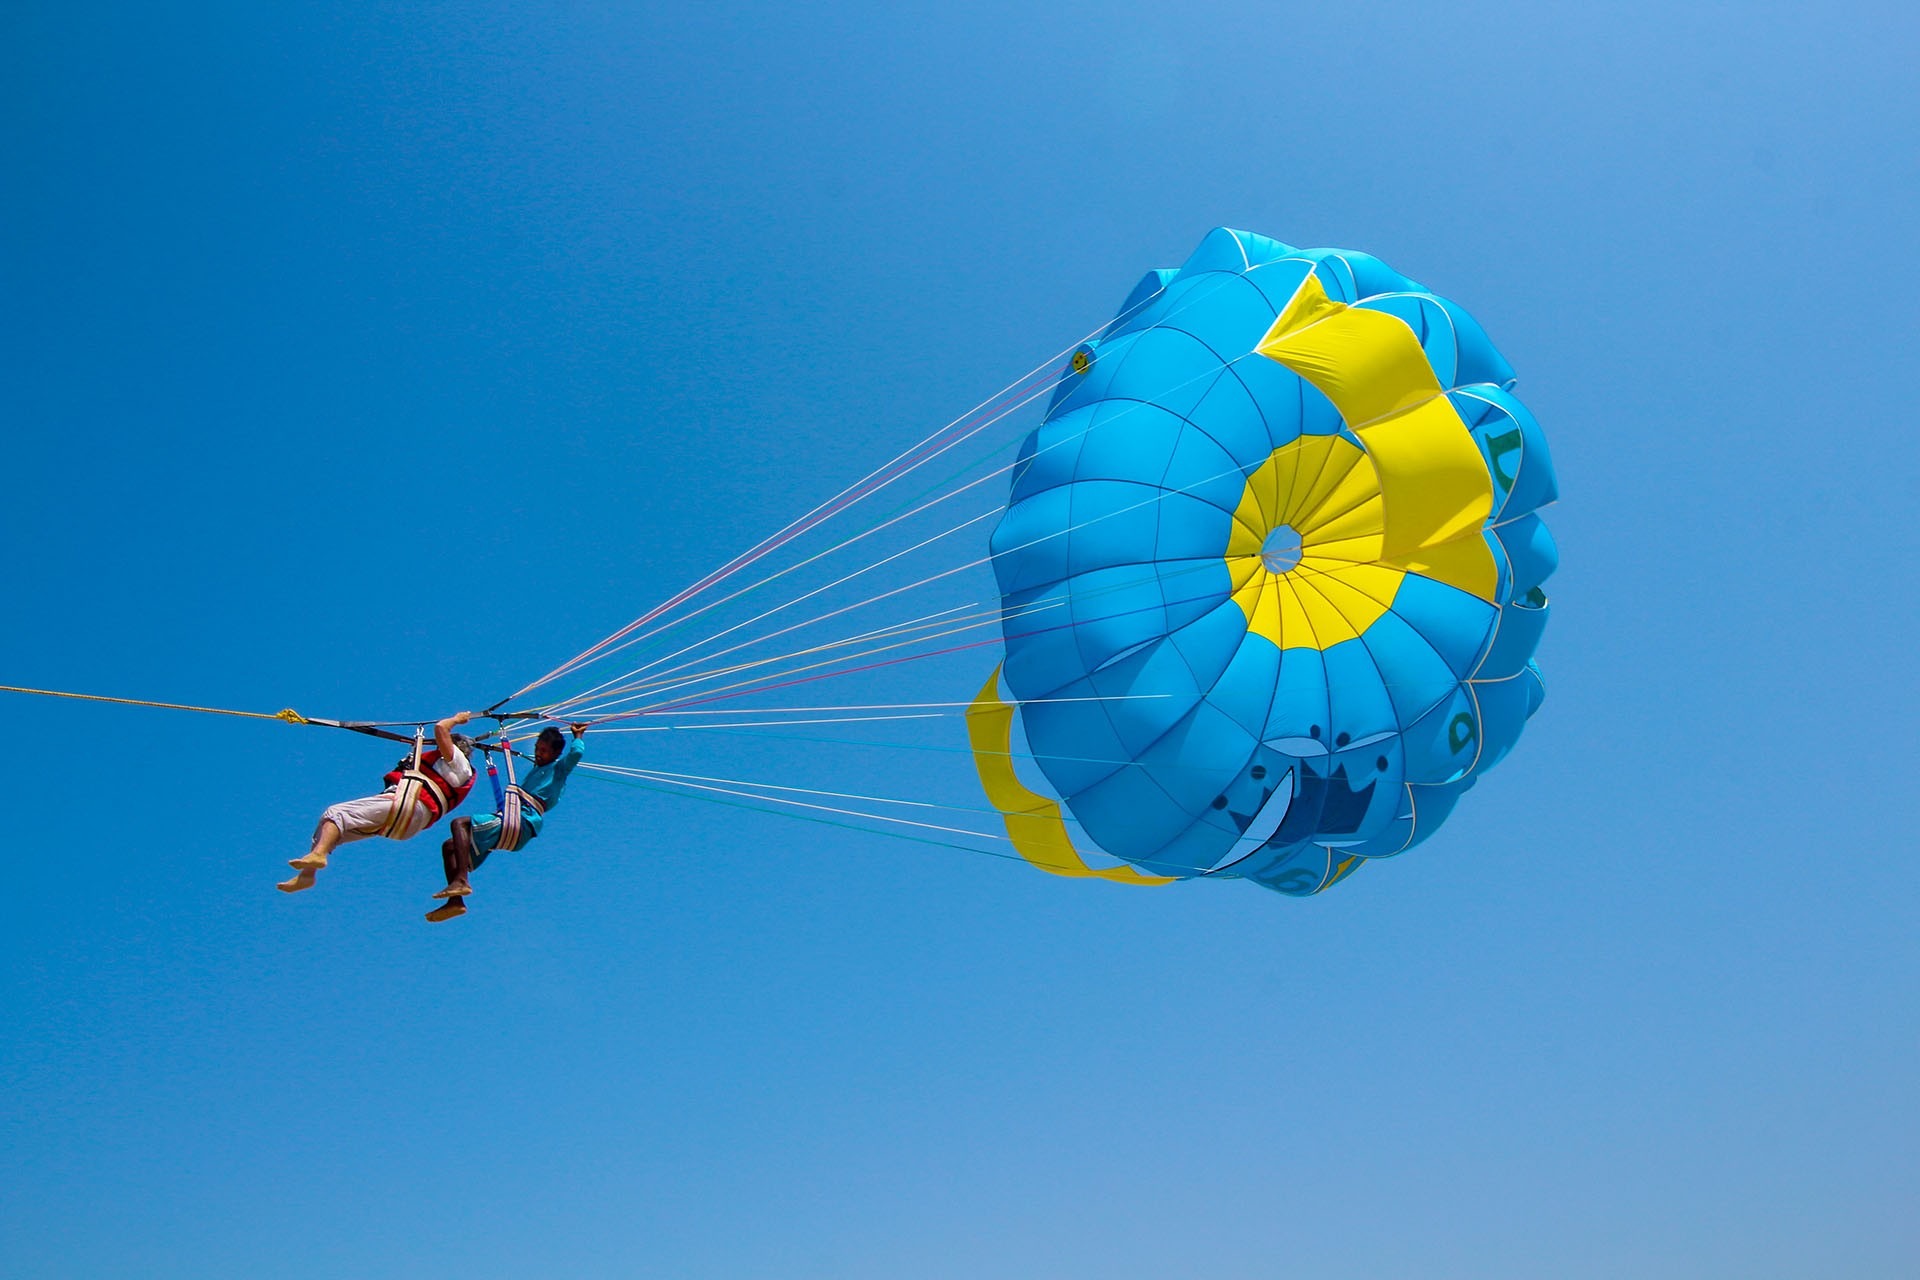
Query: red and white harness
{"type": "Point", "coordinates": [418, 783]}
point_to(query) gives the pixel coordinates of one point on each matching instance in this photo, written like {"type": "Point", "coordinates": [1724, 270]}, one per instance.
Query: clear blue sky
{"type": "Point", "coordinates": [369, 359]}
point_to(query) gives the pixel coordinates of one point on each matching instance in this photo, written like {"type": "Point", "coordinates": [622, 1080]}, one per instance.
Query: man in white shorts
{"type": "Point", "coordinates": [419, 793]}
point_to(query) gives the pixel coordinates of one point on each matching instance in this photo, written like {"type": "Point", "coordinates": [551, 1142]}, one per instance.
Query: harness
{"type": "Point", "coordinates": [416, 782]}
{"type": "Point", "coordinates": [515, 802]}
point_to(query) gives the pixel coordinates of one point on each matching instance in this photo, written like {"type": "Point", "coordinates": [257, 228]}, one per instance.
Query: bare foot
{"type": "Point", "coordinates": [312, 862]}
{"type": "Point", "coordinates": [458, 889]}
{"type": "Point", "coordinates": [454, 907]}
{"type": "Point", "coordinates": [302, 881]}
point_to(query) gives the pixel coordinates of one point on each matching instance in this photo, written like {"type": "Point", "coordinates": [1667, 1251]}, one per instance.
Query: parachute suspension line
{"type": "Point", "coordinates": [665, 775]}
{"type": "Point", "coordinates": [746, 688]}
{"type": "Point", "coordinates": [749, 686]}
{"type": "Point", "coordinates": [728, 599]}
{"type": "Point", "coordinates": [802, 817]}
{"type": "Point", "coordinates": [687, 707]}
{"type": "Point", "coordinates": [599, 690]}
{"type": "Point", "coordinates": [874, 715]}
{"type": "Point", "coordinates": [663, 693]}
{"type": "Point", "coordinates": [613, 689]}
{"type": "Point", "coordinates": [661, 681]}
{"type": "Point", "coordinates": [603, 688]}
{"type": "Point", "coordinates": [771, 724]}
{"type": "Point", "coordinates": [607, 695]}
{"type": "Point", "coordinates": [758, 724]}
{"type": "Point", "coordinates": [739, 688]}
{"type": "Point", "coordinates": [909, 501]}
{"type": "Point", "coordinates": [985, 613]}
{"type": "Point", "coordinates": [947, 573]}
{"type": "Point", "coordinates": [743, 688]}
{"type": "Point", "coordinates": [902, 706]}
{"type": "Point", "coordinates": [665, 681]}
{"type": "Point", "coordinates": [674, 678]}
{"type": "Point", "coordinates": [679, 781]}
{"type": "Point", "coordinates": [878, 746]}
{"type": "Point", "coordinates": [895, 516]}
{"type": "Point", "coordinates": [657, 688]}
{"type": "Point", "coordinates": [901, 465]}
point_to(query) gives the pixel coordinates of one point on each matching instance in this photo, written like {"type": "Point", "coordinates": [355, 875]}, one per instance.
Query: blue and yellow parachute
{"type": "Point", "coordinates": [1271, 575]}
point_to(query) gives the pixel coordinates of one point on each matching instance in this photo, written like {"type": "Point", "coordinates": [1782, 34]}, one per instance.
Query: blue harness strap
{"type": "Point", "coordinates": [493, 775]}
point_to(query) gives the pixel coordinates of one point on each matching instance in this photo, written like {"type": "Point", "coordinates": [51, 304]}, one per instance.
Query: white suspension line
{"type": "Point", "coordinates": [775, 539]}
{"type": "Point", "coordinates": [896, 745]}
{"type": "Point", "coordinates": [670, 679]}
{"type": "Point", "coordinates": [666, 681]}
{"type": "Point", "coordinates": [766, 724]}
{"type": "Point", "coordinates": [709, 695]}
{"type": "Point", "coordinates": [905, 706]}
{"type": "Point", "coordinates": [799, 626]}
{"type": "Point", "coordinates": [986, 617]}
{"type": "Point", "coordinates": [804, 791]}
{"type": "Point", "coordinates": [1072, 528]}
{"type": "Point", "coordinates": [651, 688]}
{"type": "Point", "coordinates": [754, 552]}
{"type": "Point", "coordinates": [1157, 497]}
{"type": "Point", "coordinates": [644, 776]}
{"type": "Point", "coordinates": [683, 619]}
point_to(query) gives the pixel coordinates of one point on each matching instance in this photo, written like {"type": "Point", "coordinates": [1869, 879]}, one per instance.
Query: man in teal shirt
{"type": "Point", "coordinates": [523, 815]}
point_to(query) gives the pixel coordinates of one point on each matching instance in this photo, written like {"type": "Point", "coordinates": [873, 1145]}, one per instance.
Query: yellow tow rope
{"type": "Point", "coordinates": [288, 713]}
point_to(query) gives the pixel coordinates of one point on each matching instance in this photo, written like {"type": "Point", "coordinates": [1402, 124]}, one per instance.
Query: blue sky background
{"type": "Point", "coordinates": [370, 359]}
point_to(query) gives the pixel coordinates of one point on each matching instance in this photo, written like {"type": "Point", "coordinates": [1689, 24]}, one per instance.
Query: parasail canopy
{"type": "Point", "coordinates": [1271, 574]}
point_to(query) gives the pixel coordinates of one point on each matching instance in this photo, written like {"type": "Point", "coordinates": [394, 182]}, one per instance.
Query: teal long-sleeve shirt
{"type": "Point", "coordinates": [545, 782]}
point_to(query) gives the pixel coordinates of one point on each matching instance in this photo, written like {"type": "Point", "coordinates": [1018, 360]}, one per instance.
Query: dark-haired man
{"type": "Point", "coordinates": [419, 793]}
{"type": "Point", "coordinates": [523, 815]}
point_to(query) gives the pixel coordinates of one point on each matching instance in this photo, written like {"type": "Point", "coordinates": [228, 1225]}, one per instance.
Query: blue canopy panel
{"type": "Point", "coordinates": [1242, 642]}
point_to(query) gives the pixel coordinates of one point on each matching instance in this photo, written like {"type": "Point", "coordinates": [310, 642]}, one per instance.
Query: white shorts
{"type": "Point", "coordinates": [358, 819]}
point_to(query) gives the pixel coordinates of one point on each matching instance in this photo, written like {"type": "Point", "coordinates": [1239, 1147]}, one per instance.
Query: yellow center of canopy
{"type": "Point", "coordinates": [1412, 497]}
{"type": "Point", "coordinates": [1326, 491]}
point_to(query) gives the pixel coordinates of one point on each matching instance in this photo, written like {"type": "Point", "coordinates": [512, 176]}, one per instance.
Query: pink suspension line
{"type": "Point", "coordinates": [879, 479]}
